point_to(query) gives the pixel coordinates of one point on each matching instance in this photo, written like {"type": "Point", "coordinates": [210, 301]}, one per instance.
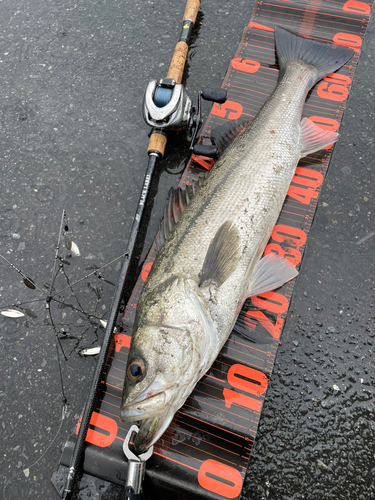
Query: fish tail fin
{"type": "Point", "coordinates": [325, 57]}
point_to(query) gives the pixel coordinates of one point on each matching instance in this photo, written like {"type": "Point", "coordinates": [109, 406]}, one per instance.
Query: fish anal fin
{"type": "Point", "coordinates": [270, 273]}
{"type": "Point", "coordinates": [315, 138]}
{"type": "Point", "coordinates": [222, 255]}
{"type": "Point", "coordinates": [244, 328]}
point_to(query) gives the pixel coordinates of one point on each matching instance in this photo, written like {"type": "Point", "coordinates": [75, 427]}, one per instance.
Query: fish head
{"type": "Point", "coordinates": [172, 340]}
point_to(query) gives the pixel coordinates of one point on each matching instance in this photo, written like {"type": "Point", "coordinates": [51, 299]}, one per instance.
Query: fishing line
{"type": "Point", "coordinates": [27, 281]}
{"type": "Point", "coordinates": [54, 276]}
{"type": "Point", "coordinates": [55, 272]}
{"type": "Point", "coordinates": [90, 274]}
{"type": "Point", "coordinates": [27, 469]}
{"type": "Point", "coordinates": [75, 296]}
{"type": "Point", "coordinates": [57, 339]}
{"type": "Point", "coordinates": [88, 315]}
{"type": "Point", "coordinates": [78, 340]}
{"type": "Point", "coordinates": [20, 304]}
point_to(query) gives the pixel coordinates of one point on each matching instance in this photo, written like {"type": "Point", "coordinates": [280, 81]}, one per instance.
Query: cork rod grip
{"type": "Point", "coordinates": [191, 10]}
{"type": "Point", "coordinates": [157, 142]}
{"type": "Point", "coordinates": [176, 68]}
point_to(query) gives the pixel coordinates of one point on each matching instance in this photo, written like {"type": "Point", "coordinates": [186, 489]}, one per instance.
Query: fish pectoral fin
{"type": "Point", "coordinates": [270, 272]}
{"type": "Point", "coordinates": [222, 256]}
{"type": "Point", "coordinates": [315, 138]}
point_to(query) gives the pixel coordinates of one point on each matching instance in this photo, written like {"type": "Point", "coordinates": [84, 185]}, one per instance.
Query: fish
{"type": "Point", "coordinates": [211, 260]}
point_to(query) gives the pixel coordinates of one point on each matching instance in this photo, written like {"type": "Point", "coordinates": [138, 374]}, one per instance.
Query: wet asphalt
{"type": "Point", "coordinates": [72, 136]}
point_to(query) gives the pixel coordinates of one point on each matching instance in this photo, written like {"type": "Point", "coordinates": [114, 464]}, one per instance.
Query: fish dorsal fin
{"type": "Point", "coordinates": [178, 200]}
{"type": "Point", "coordinates": [222, 255]}
{"type": "Point", "coordinates": [223, 135]}
{"type": "Point", "coordinates": [270, 273]}
{"type": "Point", "coordinates": [315, 138]}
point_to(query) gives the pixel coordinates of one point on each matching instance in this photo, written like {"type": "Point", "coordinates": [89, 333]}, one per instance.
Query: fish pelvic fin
{"type": "Point", "coordinates": [325, 57]}
{"type": "Point", "coordinates": [270, 273]}
{"type": "Point", "coordinates": [315, 138]}
{"type": "Point", "coordinates": [222, 256]}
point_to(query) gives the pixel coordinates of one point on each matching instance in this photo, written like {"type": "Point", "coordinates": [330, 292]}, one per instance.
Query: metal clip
{"type": "Point", "coordinates": [136, 468]}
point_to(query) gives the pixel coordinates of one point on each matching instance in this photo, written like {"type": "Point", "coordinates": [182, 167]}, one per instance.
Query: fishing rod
{"type": "Point", "coordinates": [172, 106]}
{"type": "Point", "coordinates": [166, 107]}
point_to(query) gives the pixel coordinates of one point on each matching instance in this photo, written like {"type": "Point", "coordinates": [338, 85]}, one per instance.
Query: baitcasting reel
{"type": "Point", "coordinates": [166, 105]}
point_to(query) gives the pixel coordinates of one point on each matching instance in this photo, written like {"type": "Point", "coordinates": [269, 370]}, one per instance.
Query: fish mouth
{"type": "Point", "coordinates": [149, 403]}
{"type": "Point", "coordinates": [144, 438]}
{"type": "Point", "coordinates": [151, 429]}
{"type": "Point", "coordinates": [152, 408]}
{"type": "Point", "coordinates": [153, 416]}
{"type": "Point", "coordinates": [143, 407]}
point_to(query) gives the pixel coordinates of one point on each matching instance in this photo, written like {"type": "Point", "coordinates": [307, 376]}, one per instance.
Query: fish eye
{"type": "Point", "coordinates": [136, 369]}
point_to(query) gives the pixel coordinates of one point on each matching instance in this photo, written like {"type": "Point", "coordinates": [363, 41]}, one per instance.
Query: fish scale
{"type": "Point", "coordinates": [182, 323]}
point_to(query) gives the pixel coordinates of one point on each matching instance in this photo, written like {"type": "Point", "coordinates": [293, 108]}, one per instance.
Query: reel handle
{"type": "Point", "coordinates": [214, 95]}
{"type": "Point", "coordinates": [208, 151]}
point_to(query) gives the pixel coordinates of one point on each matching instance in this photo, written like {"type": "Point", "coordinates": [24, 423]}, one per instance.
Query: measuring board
{"type": "Point", "coordinates": [205, 451]}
